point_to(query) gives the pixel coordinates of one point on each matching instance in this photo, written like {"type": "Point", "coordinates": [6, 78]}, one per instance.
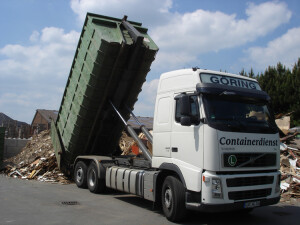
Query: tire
{"type": "Point", "coordinates": [80, 174]}
{"type": "Point", "coordinates": [94, 184]}
{"type": "Point", "coordinates": [173, 199]}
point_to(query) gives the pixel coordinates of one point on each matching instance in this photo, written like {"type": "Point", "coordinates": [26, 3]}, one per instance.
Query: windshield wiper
{"type": "Point", "coordinates": [251, 160]}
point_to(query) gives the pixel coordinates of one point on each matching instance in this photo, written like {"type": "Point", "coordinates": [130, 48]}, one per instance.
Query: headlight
{"type": "Point", "coordinates": [216, 188]}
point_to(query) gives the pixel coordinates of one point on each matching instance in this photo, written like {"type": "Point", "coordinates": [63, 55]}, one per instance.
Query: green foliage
{"type": "Point", "coordinates": [283, 86]}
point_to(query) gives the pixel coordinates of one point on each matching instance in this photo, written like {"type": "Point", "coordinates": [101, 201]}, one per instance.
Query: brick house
{"type": "Point", "coordinates": [42, 120]}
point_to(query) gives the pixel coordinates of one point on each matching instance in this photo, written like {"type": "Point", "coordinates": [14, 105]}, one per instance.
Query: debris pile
{"type": "Point", "coordinates": [129, 146]}
{"type": "Point", "coordinates": [36, 161]}
{"type": "Point", "coordinates": [290, 167]}
{"type": "Point", "coordinates": [283, 122]}
{"type": "Point", "coordinates": [126, 144]}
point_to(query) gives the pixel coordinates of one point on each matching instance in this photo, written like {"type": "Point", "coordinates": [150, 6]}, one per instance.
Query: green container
{"type": "Point", "coordinates": [108, 66]}
{"type": "Point", "coordinates": [2, 135]}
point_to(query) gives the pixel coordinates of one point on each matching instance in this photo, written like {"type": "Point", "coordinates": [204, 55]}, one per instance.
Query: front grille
{"type": "Point", "coordinates": [250, 194]}
{"type": "Point", "coordinates": [249, 181]}
{"type": "Point", "coordinates": [249, 159]}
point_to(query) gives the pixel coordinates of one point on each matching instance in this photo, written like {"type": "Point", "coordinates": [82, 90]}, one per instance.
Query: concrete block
{"type": "Point", "coordinates": [12, 146]}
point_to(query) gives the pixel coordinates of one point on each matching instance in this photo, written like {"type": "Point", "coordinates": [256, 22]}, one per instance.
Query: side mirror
{"type": "Point", "coordinates": [185, 109]}
{"type": "Point", "coordinates": [185, 121]}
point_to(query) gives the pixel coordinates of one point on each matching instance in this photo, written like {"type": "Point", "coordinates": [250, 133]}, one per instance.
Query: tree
{"type": "Point", "coordinates": [283, 86]}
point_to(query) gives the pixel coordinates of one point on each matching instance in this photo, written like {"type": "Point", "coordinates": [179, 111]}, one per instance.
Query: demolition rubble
{"type": "Point", "coordinates": [289, 159]}
{"type": "Point", "coordinates": [36, 161]}
{"type": "Point", "coordinates": [290, 168]}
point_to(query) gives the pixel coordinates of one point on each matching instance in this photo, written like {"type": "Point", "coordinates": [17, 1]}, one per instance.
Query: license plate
{"type": "Point", "coordinates": [251, 204]}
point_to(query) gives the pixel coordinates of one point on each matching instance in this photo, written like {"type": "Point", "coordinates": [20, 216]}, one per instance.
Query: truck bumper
{"type": "Point", "coordinates": [235, 191]}
{"type": "Point", "coordinates": [228, 207]}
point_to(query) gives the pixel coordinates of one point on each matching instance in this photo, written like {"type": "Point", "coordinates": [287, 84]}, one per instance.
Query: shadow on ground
{"type": "Point", "coordinates": [277, 214]}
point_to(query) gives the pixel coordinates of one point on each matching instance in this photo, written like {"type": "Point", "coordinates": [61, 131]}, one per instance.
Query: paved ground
{"type": "Point", "coordinates": [32, 202]}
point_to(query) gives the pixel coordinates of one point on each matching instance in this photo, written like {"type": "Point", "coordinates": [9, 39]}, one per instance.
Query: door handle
{"type": "Point", "coordinates": [174, 149]}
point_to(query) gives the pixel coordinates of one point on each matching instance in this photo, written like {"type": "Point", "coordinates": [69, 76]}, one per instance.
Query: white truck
{"type": "Point", "coordinates": [215, 142]}
{"type": "Point", "coordinates": [215, 148]}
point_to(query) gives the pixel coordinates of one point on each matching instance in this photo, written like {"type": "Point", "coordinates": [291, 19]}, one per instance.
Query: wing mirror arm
{"type": "Point", "coordinates": [202, 120]}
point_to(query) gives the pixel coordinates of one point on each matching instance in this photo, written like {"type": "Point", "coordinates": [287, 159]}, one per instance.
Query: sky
{"type": "Point", "coordinates": [39, 38]}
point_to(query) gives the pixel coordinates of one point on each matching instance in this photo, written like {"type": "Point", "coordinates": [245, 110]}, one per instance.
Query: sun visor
{"type": "Point", "coordinates": [232, 91]}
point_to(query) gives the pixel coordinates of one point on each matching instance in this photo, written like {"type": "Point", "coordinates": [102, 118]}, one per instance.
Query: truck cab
{"type": "Point", "coordinates": [216, 132]}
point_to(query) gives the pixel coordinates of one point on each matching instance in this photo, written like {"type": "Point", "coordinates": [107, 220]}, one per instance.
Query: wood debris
{"type": "Point", "coordinates": [36, 161]}
{"type": "Point", "coordinates": [290, 168]}
{"type": "Point", "coordinates": [129, 146]}
{"type": "Point", "coordinates": [126, 143]}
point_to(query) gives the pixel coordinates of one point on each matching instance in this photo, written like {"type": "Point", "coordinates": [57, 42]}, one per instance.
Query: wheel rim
{"type": "Point", "coordinates": [92, 178]}
{"type": "Point", "coordinates": [168, 198]}
{"type": "Point", "coordinates": [79, 175]}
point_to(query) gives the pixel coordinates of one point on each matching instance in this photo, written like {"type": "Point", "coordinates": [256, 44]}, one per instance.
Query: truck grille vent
{"type": "Point", "coordinates": [249, 194]}
{"type": "Point", "coordinates": [249, 159]}
{"type": "Point", "coordinates": [249, 181]}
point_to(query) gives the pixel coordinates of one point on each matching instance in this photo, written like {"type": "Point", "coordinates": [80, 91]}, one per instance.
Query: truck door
{"type": "Point", "coordinates": [187, 141]}
{"type": "Point", "coordinates": [162, 126]}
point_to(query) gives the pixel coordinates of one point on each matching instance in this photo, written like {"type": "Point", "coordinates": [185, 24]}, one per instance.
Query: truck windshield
{"type": "Point", "coordinates": [238, 115]}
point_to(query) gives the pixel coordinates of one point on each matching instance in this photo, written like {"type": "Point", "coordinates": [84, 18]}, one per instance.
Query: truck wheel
{"type": "Point", "coordinates": [80, 173]}
{"type": "Point", "coordinates": [173, 199]}
{"type": "Point", "coordinates": [94, 184]}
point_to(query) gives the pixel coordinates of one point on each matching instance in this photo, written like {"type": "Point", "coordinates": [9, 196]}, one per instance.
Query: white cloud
{"type": "Point", "coordinates": [21, 105]}
{"type": "Point", "coordinates": [34, 36]}
{"type": "Point", "coordinates": [198, 32]}
{"type": "Point", "coordinates": [265, 17]}
{"type": "Point", "coordinates": [57, 35]}
{"type": "Point", "coordinates": [149, 12]}
{"type": "Point", "coordinates": [49, 57]}
{"type": "Point", "coordinates": [183, 37]}
{"type": "Point", "coordinates": [284, 49]}
{"type": "Point", "coordinates": [34, 76]}
{"type": "Point", "coordinates": [150, 89]}
{"type": "Point", "coordinates": [145, 105]}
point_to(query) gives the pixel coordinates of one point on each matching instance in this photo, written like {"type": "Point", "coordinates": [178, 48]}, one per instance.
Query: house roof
{"type": "Point", "coordinates": [147, 121]}
{"type": "Point", "coordinates": [47, 114]}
